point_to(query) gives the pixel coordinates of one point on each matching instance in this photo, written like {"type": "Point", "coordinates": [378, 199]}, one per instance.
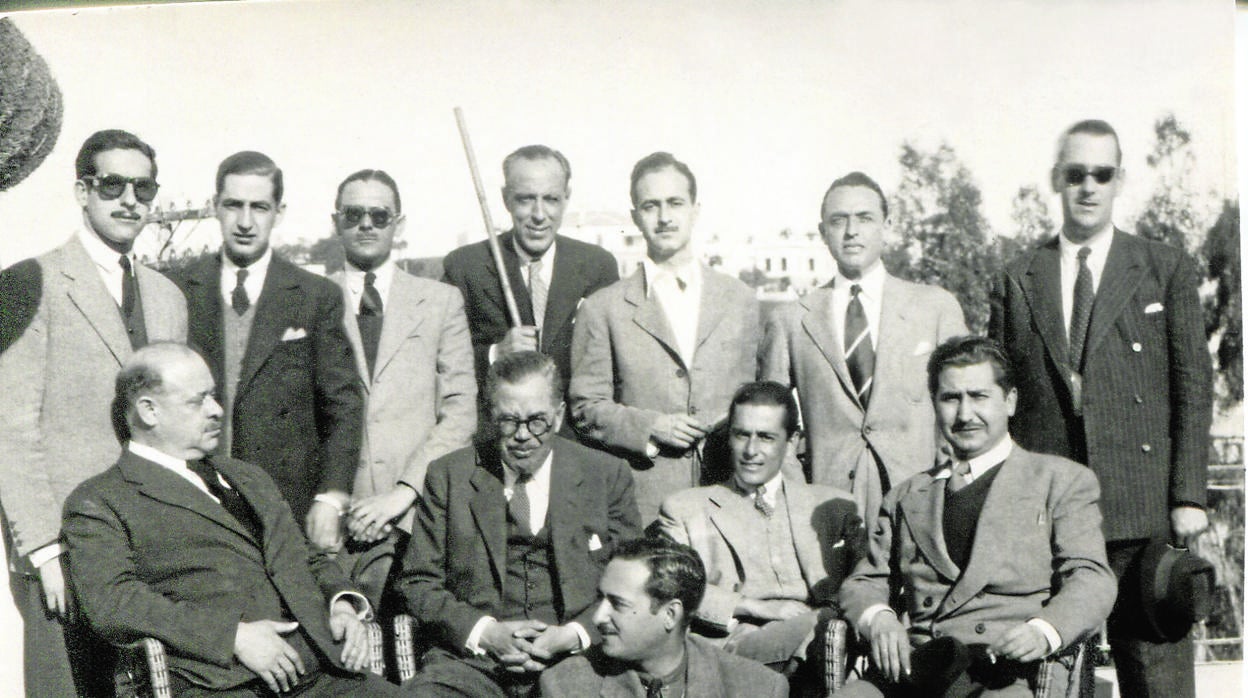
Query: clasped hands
{"type": "Point", "coordinates": [522, 646]}
{"type": "Point", "coordinates": [261, 647]}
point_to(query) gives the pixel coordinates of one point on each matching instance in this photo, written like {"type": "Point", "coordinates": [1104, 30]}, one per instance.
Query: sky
{"type": "Point", "coordinates": [767, 102]}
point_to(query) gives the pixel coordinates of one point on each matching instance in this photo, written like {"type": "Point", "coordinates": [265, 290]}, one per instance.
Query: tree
{"type": "Point", "coordinates": [1174, 214]}
{"type": "Point", "coordinates": [1031, 217]}
{"type": "Point", "coordinates": [1224, 307]}
{"type": "Point", "coordinates": [944, 238]}
{"type": "Point", "coordinates": [30, 107]}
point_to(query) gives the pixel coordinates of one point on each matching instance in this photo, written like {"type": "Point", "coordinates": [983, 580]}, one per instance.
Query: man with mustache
{"type": "Point", "coordinates": [996, 546]}
{"type": "Point", "coordinates": [855, 352]}
{"type": "Point", "coordinates": [1108, 335]}
{"type": "Point", "coordinates": [273, 335]}
{"type": "Point", "coordinates": [656, 357]}
{"type": "Point", "coordinates": [93, 304]}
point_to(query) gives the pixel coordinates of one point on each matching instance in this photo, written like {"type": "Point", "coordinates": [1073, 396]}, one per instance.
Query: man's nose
{"type": "Point", "coordinates": [539, 211]}
{"type": "Point", "coordinates": [245, 219]}
{"type": "Point", "coordinates": [601, 614]}
{"type": "Point", "coordinates": [128, 199]}
{"type": "Point", "coordinates": [965, 413]}
{"type": "Point", "coordinates": [214, 408]}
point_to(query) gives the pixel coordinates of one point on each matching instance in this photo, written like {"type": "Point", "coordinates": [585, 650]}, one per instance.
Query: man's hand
{"type": "Point", "coordinates": [371, 519]}
{"type": "Point", "coordinates": [1022, 643]}
{"type": "Point", "coordinates": [260, 647]}
{"type": "Point", "coordinates": [323, 527]}
{"type": "Point", "coordinates": [344, 622]}
{"type": "Point", "coordinates": [890, 646]}
{"type": "Point", "coordinates": [770, 609]}
{"type": "Point", "coordinates": [677, 430]}
{"type": "Point", "coordinates": [1187, 523]}
{"type": "Point", "coordinates": [508, 642]}
{"type": "Point", "coordinates": [555, 641]}
{"type": "Point", "coordinates": [55, 598]}
{"type": "Point", "coordinates": [522, 338]}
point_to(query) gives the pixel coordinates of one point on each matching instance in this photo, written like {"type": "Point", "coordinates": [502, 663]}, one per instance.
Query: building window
{"type": "Point", "coordinates": [784, 264]}
{"type": "Point", "coordinates": [812, 263]}
{"type": "Point", "coordinates": [767, 264]}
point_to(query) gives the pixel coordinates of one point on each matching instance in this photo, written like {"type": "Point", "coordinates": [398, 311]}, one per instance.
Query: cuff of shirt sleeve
{"type": "Point", "coordinates": [363, 610]}
{"type": "Point", "coordinates": [334, 500]}
{"type": "Point", "coordinates": [580, 633]}
{"type": "Point", "coordinates": [864, 621]}
{"type": "Point", "coordinates": [492, 354]}
{"type": "Point", "coordinates": [42, 555]}
{"type": "Point", "coordinates": [652, 449]}
{"type": "Point", "coordinates": [1050, 634]}
{"type": "Point", "coordinates": [472, 644]}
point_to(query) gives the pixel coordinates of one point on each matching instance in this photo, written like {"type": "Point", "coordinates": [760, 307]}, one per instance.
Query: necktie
{"type": "Point", "coordinates": [519, 504]}
{"type": "Point", "coordinates": [537, 291]}
{"type": "Point", "coordinates": [760, 503]}
{"type": "Point", "coordinates": [370, 302]}
{"type": "Point", "coordinates": [1081, 310]}
{"type": "Point", "coordinates": [230, 498]}
{"type": "Point", "coordinates": [239, 298]}
{"type": "Point", "coordinates": [958, 480]}
{"type": "Point", "coordinates": [654, 688]}
{"type": "Point", "coordinates": [127, 286]}
{"type": "Point", "coordinates": [859, 354]}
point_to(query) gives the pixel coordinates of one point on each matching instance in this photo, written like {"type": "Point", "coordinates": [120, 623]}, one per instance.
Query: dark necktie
{"type": "Point", "coordinates": [958, 478]}
{"type": "Point", "coordinates": [230, 498]}
{"type": "Point", "coordinates": [1081, 310]}
{"type": "Point", "coordinates": [370, 302]}
{"type": "Point", "coordinates": [654, 688]}
{"type": "Point", "coordinates": [760, 503]}
{"type": "Point", "coordinates": [128, 290]}
{"type": "Point", "coordinates": [859, 354]}
{"type": "Point", "coordinates": [239, 299]}
{"type": "Point", "coordinates": [519, 504]}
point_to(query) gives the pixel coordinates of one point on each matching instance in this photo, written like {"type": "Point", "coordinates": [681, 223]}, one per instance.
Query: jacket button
{"type": "Point", "coordinates": [851, 475]}
{"type": "Point", "coordinates": [936, 633]}
{"type": "Point", "coordinates": [1139, 400]}
{"type": "Point", "coordinates": [680, 373]}
{"type": "Point", "coordinates": [1146, 448]}
{"type": "Point", "coordinates": [866, 429]}
{"type": "Point", "coordinates": [979, 628]}
{"type": "Point", "coordinates": [693, 409]}
{"type": "Point", "coordinates": [927, 602]}
{"type": "Point", "coordinates": [1137, 347]}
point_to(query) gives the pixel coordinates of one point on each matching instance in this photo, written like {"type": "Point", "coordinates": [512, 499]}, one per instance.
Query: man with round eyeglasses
{"type": "Point", "coordinates": [414, 358]}
{"type": "Point", "coordinates": [70, 318]}
{"type": "Point", "coordinates": [510, 539]}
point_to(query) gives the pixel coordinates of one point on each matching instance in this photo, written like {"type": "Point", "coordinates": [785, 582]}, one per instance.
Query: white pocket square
{"type": "Point", "coordinates": [293, 333]}
{"type": "Point", "coordinates": [924, 347]}
{"type": "Point", "coordinates": [594, 543]}
{"type": "Point", "coordinates": [1153, 308]}
{"type": "Point", "coordinates": [839, 544]}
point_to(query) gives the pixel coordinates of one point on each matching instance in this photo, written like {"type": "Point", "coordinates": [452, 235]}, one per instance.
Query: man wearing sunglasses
{"type": "Point", "coordinates": [414, 358]}
{"type": "Point", "coordinates": [510, 539]}
{"type": "Point", "coordinates": [93, 305]}
{"type": "Point", "coordinates": [272, 334]}
{"type": "Point", "coordinates": [1107, 332]}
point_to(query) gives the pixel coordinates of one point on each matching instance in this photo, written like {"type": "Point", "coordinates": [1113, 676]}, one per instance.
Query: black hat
{"type": "Point", "coordinates": [1176, 589]}
{"type": "Point", "coordinates": [938, 668]}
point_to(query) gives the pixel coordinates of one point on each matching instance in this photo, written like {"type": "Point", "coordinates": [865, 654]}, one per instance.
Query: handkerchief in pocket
{"type": "Point", "coordinates": [293, 333]}
{"type": "Point", "coordinates": [1153, 308]}
{"type": "Point", "coordinates": [594, 543]}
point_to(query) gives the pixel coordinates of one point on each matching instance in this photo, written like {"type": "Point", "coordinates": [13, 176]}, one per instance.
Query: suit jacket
{"type": "Point", "coordinates": [1038, 553]}
{"type": "Point", "coordinates": [57, 378]}
{"type": "Point", "coordinates": [452, 570]}
{"type": "Point", "coordinates": [712, 673]}
{"type": "Point", "coordinates": [724, 528]}
{"type": "Point", "coordinates": [150, 555]}
{"type": "Point", "coordinates": [298, 405]}
{"type": "Point", "coordinates": [1147, 378]}
{"type": "Point", "coordinates": [627, 372]}
{"type": "Point", "coordinates": [580, 269]}
{"type": "Point", "coordinates": [802, 348]}
{"type": "Point", "coordinates": [421, 399]}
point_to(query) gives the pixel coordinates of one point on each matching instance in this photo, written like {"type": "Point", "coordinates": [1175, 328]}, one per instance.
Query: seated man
{"type": "Point", "coordinates": [205, 555]}
{"type": "Point", "coordinates": [998, 547]}
{"type": "Point", "coordinates": [776, 549]}
{"type": "Point", "coordinates": [649, 591]}
{"type": "Point", "coordinates": [510, 540]}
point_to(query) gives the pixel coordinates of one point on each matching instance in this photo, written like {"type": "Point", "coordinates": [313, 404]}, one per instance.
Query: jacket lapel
{"type": "Point", "coordinates": [561, 298]}
{"type": "Point", "coordinates": [511, 262]}
{"type": "Point", "coordinates": [801, 506]}
{"type": "Point", "coordinates": [1042, 286]}
{"type": "Point", "coordinates": [1119, 278]}
{"type": "Point", "coordinates": [925, 505]}
{"type": "Point", "coordinates": [204, 308]}
{"type": "Point", "coordinates": [87, 292]}
{"type": "Point", "coordinates": [817, 322]}
{"type": "Point", "coordinates": [488, 506]}
{"type": "Point", "coordinates": [703, 678]}
{"type": "Point", "coordinates": [624, 684]}
{"type": "Point", "coordinates": [153, 481]}
{"type": "Point", "coordinates": [564, 512]}
{"type": "Point", "coordinates": [711, 309]}
{"type": "Point", "coordinates": [890, 355]}
{"type": "Point", "coordinates": [278, 294]}
{"type": "Point", "coordinates": [730, 518]}
{"type": "Point", "coordinates": [994, 531]}
{"type": "Point", "coordinates": [403, 315]}
{"type": "Point", "coordinates": [352, 328]}
{"type": "Point", "coordinates": [649, 315]}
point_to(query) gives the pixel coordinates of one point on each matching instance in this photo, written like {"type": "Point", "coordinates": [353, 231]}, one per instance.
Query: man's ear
{"type": "Point", "coordinates": [673, 612]}
{"type": "Point", "coordinates": [145, 411]}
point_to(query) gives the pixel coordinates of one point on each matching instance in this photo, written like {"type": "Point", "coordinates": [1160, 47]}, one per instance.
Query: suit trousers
{"type": "Point", "coordinates": [1146, 668]}
{"type": "Point", "coordinates": [444, 675]}
{"type": "Point", "coordinates": [776, 642]}
{"type": "Point", "coordinates": [61, 659]}
{"type": "Point", "coordinates": [323, 686]}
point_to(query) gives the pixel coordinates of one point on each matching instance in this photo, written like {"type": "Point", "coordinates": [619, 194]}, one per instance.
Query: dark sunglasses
{"type": "Point", "coordinates": [111, 186]}
{"type": "Point", "coordinates": [352, 215]}
{"type": "Point", "coordinates": [537, 425]}
{"type": "Point", "coordinates": [1075, 174]}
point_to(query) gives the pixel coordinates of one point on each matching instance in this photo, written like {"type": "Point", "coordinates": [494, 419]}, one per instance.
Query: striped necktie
{"type": "Point", "coordinates": [859, 354]}
{"type": "Point", "coordinates": [537, 291]}
{"type": "Point", "coordinates": [1081, 310]}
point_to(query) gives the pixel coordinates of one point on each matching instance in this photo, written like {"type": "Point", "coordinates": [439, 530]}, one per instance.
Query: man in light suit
{"type": "Point", "coordinates": [648, 592]}
{"type": "Point", "coordinates": [510, 539]}
{"type": "Point", "coordinates": [1114, 372]}
{"type": "Point", "coordinates": [656, 357]}
{"type": "Point", "coordinates": [856, 353]}
{"type": "Point", "coordinates": [997, 546]}
{"type": "Point", "coordinates": [86, 305]}
{"type": "Point", "coordinates": [550, 274]}
{"type": "Point", "coordinates": [273, 335]}
{"type": "Point", "coordinates": [204, 555]}
{"type": "Point", "coordinates": [414, 356]}
{"type": "Point", "coordinates": [776, 549]}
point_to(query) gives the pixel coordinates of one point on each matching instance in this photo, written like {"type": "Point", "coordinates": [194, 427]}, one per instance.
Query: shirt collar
{"type": "Point", "coordinates": [540, 476]}
{"type": "Point", "coordinates": [871, 283]}
{"type": "Point", "coordinates": [384, 273]}
{"type": "Point", "coordinates": [547, 257]}
{"type": "Point", "coordinates": [985, 461]}
{"type": "Point", "coordinates": [104, 256]}
{"type": "Point", "coordinates": [1098, 243]}
{"type": "Point", "coordinates": [258, 268]}
{"type": "Point", "coordinates": [156, 456]}
{"type": "Point", "coordinates": [690, 273]}
{"type": "Point", "coordinates": [771, 488]}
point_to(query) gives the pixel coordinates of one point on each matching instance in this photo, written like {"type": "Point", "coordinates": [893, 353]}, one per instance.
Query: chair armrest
{"type": "Point", "coordinates": [142, 670]}
{"type": "Point", "coordinates": [836, 639]}
{"type": "Point", "coordinates": [377, 649]}
{"type": "Point", "coordinates": [1069, 662]}
{"type": "Point", "coordinates": [405, 646]}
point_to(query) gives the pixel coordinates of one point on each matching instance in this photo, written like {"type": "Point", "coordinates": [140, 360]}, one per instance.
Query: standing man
{"type": "Point", "coordinates": [273, 335]}
{"type": "Point", "coordinates": [1107, 332]}
{"type": "Point", "coordinates": [90, 304]}
{"type": "Point", "coordinates": [649, 591]}
{"type": "Point", "coordinates": [997, 546]}
{"type": "Point", "coordinates": [656, 357]}
{"type": "Point", "coordinates": [856, 354]}
{"type": "Point", "coordinates": [414, 356]}
{"type": "Point", "coordinates": [510, 539]}
{"type": "Point", "coordinates": [776, 548]}
{"type": "Point", "coordinates": [549, 273]}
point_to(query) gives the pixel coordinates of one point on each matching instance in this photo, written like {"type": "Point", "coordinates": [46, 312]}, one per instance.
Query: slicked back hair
{"type": "Point", "coordinates": [538, 152]}
{"type": "Point", "coordinates": [676, 571]}
{"type": "Point", "coordinates": [518, 367]}
{"type": "Point", "coordinates": [250, 162]}
{"type": "Point", "coordinates": [659, 161]}
{"type": "Point", "coordinates": [769, 393]}
{"type": "Point", "coordinates": [969, 350]}
{"type": "Point", "coordinates": [370, 176]}
{"type": "Point", "coordinates": [1093, 127]}
{"type": "Point", "coordinates": [855, 179]}
{"type": "Point", "coordinates": [109, 139]}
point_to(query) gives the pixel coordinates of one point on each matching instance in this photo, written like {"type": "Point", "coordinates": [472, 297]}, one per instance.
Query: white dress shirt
{"type": "Point", "coordinates": [679, 292]}
{"type": "Point", "coordinates": [254, 283]}
{"type": "Point", "coordinates": [106, 262]}
{"type": "Point", "coordinates": [1098, 245]}
{"type": "Point", "coordinates": [354, 279]}
{"type": "Point", "coordinates": [871, 296]}
{"type": "Point", "coordinates": [545, 273]}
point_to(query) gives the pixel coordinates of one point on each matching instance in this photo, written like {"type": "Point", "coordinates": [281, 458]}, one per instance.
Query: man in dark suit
{"type": "Point", "coordinates": [776, 549]}
{"type": "Point", "coordinates": [997, 546]}
{"type": "Point", "coordinates": [204, 555]}
{"type": "Point", "coordinates": [549, 273]}
{"type": "Point", "coordinates": [510, 540]}
{"type": "Point", "coordinates": [1107, 333]}
{"type": "Point", "coordinates": [273, 335]}
{"type": "Point", "coordinates": [649, 591]}
{"type": "Point", "coordinates": [71, 317]}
